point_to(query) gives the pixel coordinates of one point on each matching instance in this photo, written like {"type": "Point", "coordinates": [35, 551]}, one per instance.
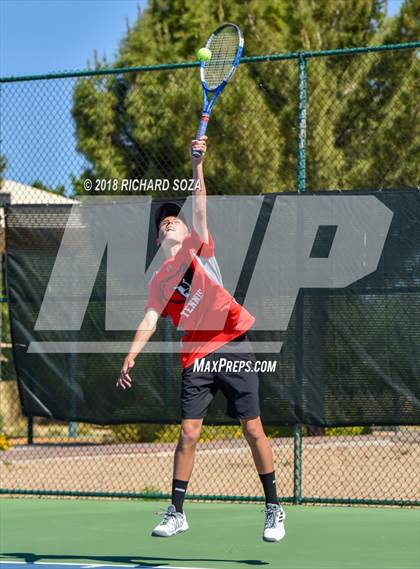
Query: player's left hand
{"type": "Point", "coordinates": [201, 146]}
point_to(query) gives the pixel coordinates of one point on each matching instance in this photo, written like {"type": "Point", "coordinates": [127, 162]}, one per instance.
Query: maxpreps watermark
{"type": "Point", "coordinates": [236, 366]}
{"type": "Point", "coordinates": [133, 185]}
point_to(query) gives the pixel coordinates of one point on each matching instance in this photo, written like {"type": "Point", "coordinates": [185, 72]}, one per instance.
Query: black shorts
{"type": "Point", "coordinates": [240, 387]}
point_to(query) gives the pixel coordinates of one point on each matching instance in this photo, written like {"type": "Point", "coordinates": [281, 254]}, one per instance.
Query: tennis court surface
{"type": "Point", "coordinates": [90, 533]}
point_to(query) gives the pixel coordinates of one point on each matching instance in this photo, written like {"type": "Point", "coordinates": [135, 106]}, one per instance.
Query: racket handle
{"type": "Point", "coordinates": [201, 132]}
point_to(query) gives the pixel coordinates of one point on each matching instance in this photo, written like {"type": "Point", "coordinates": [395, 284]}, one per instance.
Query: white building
{"type": "Point", "coordinates": [22, 194]}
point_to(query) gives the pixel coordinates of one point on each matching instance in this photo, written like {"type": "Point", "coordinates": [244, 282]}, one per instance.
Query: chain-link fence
{"type": "Point", "coordinates": [342, 120]}
{"type": "Point", "coordinates": [366, 465]}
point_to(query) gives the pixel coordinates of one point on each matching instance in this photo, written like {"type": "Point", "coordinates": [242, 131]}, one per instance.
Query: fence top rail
{"type": "Point", "coordinates": [251, 59]}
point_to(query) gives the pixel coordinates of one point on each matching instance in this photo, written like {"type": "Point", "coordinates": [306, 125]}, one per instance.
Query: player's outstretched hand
{"type": "Point", "coordinates": [201, 146]}
{"type": "Point", "coordinates": [124, 380]}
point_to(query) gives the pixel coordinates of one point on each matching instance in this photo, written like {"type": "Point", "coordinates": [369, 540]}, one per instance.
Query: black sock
{"type": "Point", "coordinates": [269, 485]}
{"type": "Point", "coordinates": [179, 489]}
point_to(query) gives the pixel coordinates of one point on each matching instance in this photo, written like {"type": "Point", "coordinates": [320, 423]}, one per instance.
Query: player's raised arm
{"type": "Point", "coordinates": [199, 205]}
{"type": "Point", "coordinates": [145, 331]}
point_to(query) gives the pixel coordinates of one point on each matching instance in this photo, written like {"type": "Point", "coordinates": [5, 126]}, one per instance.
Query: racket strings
{"type": "Point", "coordinates": [224, 47]}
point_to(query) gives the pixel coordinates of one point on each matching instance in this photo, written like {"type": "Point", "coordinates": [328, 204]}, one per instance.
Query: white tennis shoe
{"type": "Point", "coordinates": [173, 522]}
{"type": "Point", "coordinates": [274, 523]}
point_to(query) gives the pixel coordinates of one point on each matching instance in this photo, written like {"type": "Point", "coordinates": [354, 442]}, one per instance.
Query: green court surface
{"type": "Point", "coordinates": [93, 532]}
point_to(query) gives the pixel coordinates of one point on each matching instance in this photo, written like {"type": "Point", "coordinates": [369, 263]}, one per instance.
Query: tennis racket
{"type": "Point", "coordinates": [226, 44]}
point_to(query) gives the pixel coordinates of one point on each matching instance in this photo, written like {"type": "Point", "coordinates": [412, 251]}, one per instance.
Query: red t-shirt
{"type": "Point", "coordinates": [189, 289]}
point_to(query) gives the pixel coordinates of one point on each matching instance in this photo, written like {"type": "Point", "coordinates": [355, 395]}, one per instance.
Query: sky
{"type": "Point", "coordinates": [41, 36]}
{"type": "Point", "coordinates": [44, 36]}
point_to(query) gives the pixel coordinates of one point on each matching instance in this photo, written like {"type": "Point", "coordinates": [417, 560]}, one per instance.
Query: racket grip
{"type": "Point", "coordinates": [201, 132]}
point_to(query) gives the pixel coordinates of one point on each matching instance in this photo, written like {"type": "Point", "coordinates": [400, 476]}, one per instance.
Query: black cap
{"type": "Point", "coordinates": [167, 209]}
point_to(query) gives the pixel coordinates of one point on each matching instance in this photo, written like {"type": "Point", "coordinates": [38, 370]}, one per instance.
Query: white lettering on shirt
{"type": "Point", "coordinates": [192, 303]}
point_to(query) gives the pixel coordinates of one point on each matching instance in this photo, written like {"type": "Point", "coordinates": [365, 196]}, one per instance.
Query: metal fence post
{"type": "Point", "coordinates": [30, 433]}
{"type": "Point", "coordinates": [301, 123]}
{"type": "Point", "coordinates": [297, 464]}
{"type": "Point", "coordinates": [301, 187]}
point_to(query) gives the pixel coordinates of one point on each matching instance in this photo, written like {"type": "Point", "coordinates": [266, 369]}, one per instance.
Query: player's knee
{"type": "Point", "coordinates": [189, 435]}
{"type": "Point", "coordinates": [252, 432]}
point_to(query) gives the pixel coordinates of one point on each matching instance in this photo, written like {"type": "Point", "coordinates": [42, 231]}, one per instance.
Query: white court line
{"type": "Point", "coordinates": [148, 566]}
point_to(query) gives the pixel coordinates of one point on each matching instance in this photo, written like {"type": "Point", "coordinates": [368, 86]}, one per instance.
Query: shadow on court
{"type": "Point", "coordinates": [144, 561]}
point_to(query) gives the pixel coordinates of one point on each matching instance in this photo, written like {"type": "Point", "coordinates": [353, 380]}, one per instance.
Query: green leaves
{"type": "Point", "coordinates": [360, 113]}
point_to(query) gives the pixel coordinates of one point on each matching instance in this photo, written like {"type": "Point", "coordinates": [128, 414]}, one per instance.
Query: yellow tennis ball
{"type": "Point", "coordinates": [204, 54]}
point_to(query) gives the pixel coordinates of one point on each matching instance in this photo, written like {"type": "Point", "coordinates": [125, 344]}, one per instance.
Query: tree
{"type": "Point", "coordinates": [374, 132]}
{"type": "Point", "coordinates": [137, 125]}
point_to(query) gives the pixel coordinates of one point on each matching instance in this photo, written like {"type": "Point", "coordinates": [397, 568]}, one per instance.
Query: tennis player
{"type": "Point", "coordinates": [188, 288]}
